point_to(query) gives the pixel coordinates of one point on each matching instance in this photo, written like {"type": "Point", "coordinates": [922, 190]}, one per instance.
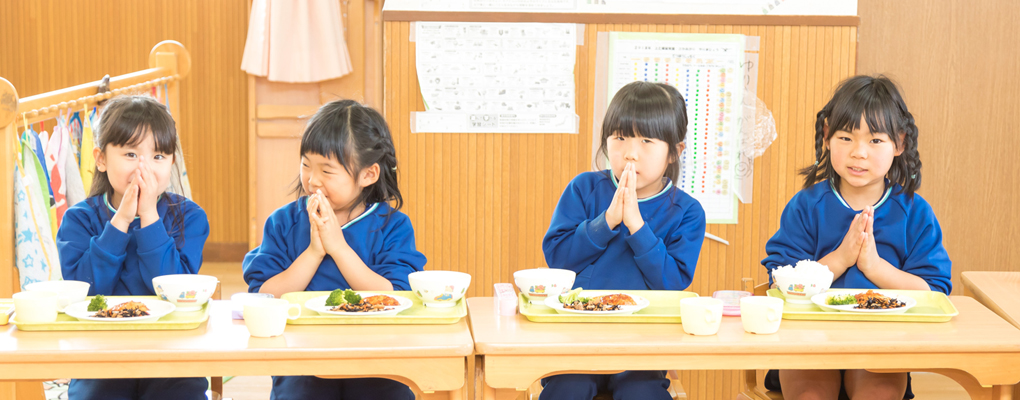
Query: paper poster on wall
{"type": "Point", "coordinates": [707, 70]}
{"type": "Point", "coordinates": [496, 77]}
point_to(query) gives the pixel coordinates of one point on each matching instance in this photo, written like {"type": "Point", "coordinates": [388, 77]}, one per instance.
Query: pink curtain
{"type": "Point", "coordinates": [296, 41]}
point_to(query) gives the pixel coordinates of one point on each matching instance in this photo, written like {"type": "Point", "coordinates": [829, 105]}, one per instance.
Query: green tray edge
{"type": "Point", "coordinates": [941, 301]}
{"type": "Point", "coordinates": [302, 297]}
{"type": "Point", "coordinates": [636, 318]}
{"type": "Point", "coordinates": [157, 325]}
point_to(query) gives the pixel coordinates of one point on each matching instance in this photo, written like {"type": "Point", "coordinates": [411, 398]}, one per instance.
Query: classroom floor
{"type": "Point", "coordinates": [926, 386]}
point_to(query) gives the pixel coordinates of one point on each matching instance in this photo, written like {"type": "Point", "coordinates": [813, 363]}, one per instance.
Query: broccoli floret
{"type": "Point", "coordinates": [336, 298]}
{"type": "Point", "coordinates": [98, 303]}
{"type": "Point", "coordinates": [352, 297]}
{"type": "Point", "coordinates": [342, 296]}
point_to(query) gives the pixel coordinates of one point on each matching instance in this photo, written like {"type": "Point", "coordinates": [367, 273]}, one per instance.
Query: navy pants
{"type": "Point", "coordinates": [138, 389]}
{"type": "Point", "coordinates": [310, 387]}
{"type": "Point", "coordinates": [627, 385]}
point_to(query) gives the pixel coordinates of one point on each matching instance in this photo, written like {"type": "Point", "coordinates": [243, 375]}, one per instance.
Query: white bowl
{"type": "Point", "coordinates": [186, 291]}
{"type": "Point", "coordinates": [439, 288]}
{"type": "Point", "coordinates": [541, 283]}
{"type": "Point", "coordinates": [68, 292]}
{"type": "Point", "coordinates": [799, 288]}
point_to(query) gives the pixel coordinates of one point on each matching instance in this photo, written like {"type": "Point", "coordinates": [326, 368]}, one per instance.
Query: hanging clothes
{"type": "Point", "coordinates": [75, 189]}
{"type": "Point", "coordinates": [35, 253]}
{"type": "Point", "coordinates": [296, 41]}
{"type": "Point", "coordinates": [75, 125]}
{"type": "Point", "coordinates": [88, 163]}
{"type": "Point", "coordinates": [33, 142]}
{"type": "Point", "coordinates": [55, 150]}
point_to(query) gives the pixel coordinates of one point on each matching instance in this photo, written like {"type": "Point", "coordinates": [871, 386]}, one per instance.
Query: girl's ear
{"type": "Point", "coordinates": [902, 144]}
{"type": "Point", "coordinates": [368, 176]}
{"type": "Point", "coordinates": [100, 158]}
{"type": "Point", "coordinates": [679, 152]}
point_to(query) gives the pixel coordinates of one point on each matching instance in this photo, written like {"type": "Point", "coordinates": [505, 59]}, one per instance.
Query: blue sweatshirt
{"type": "Point", "coordinates": [387, 247]}
{"type": "Point", "coordinates": [116, 263]}
{"type": "Point", "coordinates": [659, 256]}
{"type": "Point", "coordinates": [907, 235]}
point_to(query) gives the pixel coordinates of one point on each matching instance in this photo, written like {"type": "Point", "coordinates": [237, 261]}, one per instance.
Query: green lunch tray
{"type": "Point", "coordinates": [418, 314]}
{"type": "Point", "coordinates": [177, 320]}
{"type": "Point", "coordinates": [931, 307]}
{"type": "Point", "coordinates": [664, 309]}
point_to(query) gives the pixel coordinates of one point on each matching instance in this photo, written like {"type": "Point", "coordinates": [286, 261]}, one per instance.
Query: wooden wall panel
{"type": "Point", "coordinates": [956, 63]}
{"type": "Point", "coordinates": [48, 45]}
{"type": "Point", "coordinates": [481, 203]}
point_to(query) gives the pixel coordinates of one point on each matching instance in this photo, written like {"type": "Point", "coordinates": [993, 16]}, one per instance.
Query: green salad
{"type": "Point", "coordinates": [841, 300]}
{"type": "Point", "coordinates": [573, 296]}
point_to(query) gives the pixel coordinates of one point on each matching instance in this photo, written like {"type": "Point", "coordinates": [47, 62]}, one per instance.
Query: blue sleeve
{"type": "Point", "coordinates": [399, 257]}
{"type": "Point", "coordinates": [926, 257]}
{"type": "Point", "coordinates": [160, 254]}
{"type": "Point", "coordinates": [573, 241]}
{"type": "Point", "coordinates": [96, 258]}
{"type": "Point", "coordinates": [669, 264]}
{"type": "Point", "coordinates": [272, 256]}
{"type": "Point", "coordinates": [793, 241]}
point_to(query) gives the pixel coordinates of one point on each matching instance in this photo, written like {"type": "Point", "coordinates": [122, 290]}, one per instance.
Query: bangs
{"type": "Point", "coordinates": [644, 110]}
{"type": "Point", "coordinates": [126, 120]}
{"type": "Point", "coordinates": [874, 101]}
{"type": "Point", "coordinates": [329, 135]}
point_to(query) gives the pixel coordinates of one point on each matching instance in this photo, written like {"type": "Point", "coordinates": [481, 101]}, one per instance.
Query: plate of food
{"type": "Point", "coordinates": [350, 303]}
{"type": "Point", "coordinates": [124, 310]}
{"type": "Point", "coordinates": [864, 301]}
{"type": "Point", "coordinates": [575, 302]}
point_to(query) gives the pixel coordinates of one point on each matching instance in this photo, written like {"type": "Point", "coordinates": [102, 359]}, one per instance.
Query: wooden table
{"type": "Point", "coordinates": [516, 352]}
{"type": "Point", "coordinates": [431, 358]}
{"type": "Point", "coordinates": [997, 290]}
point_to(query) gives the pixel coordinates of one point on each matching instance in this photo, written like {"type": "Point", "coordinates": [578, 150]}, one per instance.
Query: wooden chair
{"type": "Point", "coordinates": [754, 379]}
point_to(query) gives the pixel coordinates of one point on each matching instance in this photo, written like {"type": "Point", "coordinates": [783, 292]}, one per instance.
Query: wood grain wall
{"type": "Point", "coordinates": [481, 203]}
{"type": "Point", "coordinates": [957, 64]}
{"type": "Point", "coordinates": [47, 45]}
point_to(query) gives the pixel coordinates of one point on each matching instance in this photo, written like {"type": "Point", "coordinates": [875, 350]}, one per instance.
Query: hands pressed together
{"type": "Point", "coordinates": [624, 207]}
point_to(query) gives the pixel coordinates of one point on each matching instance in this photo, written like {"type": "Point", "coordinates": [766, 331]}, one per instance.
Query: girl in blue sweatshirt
{"type": "Point", "coordinates": [629, 227]}
{"type": "Point", "coordinates": [858, 215]}
{"type": "Point", "coordinates": [130, 230]}
{"type": "Point", "coordinates": [341, 233]}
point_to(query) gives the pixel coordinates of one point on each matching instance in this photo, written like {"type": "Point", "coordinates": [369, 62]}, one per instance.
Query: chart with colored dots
{"type": "Point", "coordinates": [707, 70]}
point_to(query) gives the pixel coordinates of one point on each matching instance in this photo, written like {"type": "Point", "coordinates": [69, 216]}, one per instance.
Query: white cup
{"type": "Point", "coordinates": [268, 317]}
{"type": "Point", "coordinates": [36, 306]}
{"type": "Point", "coordinates": [701, 315]}
{"type": "Point", "coordinates": [761, 314]}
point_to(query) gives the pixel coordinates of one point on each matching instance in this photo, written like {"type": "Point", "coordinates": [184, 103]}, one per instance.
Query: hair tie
{"type": "Point", "coordinates": [913, 176]}
{"type": "Point", "coordinates": [394, 169]}
{"type": "Point", "coordinates": [816, 162]}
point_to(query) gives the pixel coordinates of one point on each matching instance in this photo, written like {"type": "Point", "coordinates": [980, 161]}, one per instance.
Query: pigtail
{"type": "Point", "coordinates": [386, 187]}
{"type": "Point", "coordinates": [906, 168]}
{"type": "Point", "coordinates": [822, 167]}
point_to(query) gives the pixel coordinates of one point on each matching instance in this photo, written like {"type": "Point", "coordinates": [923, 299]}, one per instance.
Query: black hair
{"type": "Point", "coordinates": [125, 122]}
{"type": "Point", "coordinates": [651, 110]}
{"type": "Point", "coordinates": [357, 136]}
{"type": "Point", "coordinates": [878, 99]}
